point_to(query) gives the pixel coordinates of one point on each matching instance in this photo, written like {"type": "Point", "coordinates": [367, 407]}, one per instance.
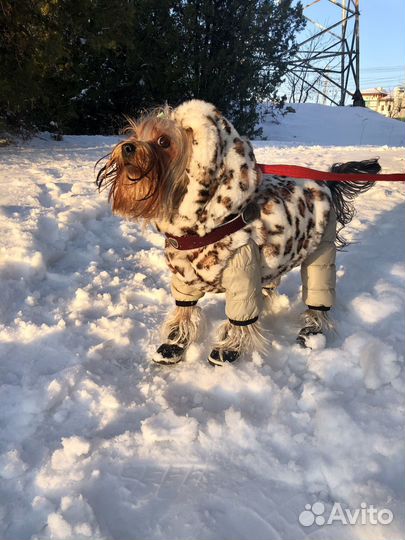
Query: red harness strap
{"type": "Point", "coordinates": [296, 171]}
{"type": "Point", "coordinates": [194, 241]}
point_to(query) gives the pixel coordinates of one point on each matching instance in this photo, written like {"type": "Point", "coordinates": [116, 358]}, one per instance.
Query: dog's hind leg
{"type": "Point", "coordinates": [318, 275]}
{"type": "Point", "coordinates": [183, 326]}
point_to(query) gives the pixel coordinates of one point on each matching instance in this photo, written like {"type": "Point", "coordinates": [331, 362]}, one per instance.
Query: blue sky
{"type": "Point", "coordinates": [382, 38]}
{"type": "Point", "coordinates": [382, 41]}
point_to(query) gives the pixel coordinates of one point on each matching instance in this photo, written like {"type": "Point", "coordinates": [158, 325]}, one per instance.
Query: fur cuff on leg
{"type": "Point", "coordinates": [318, 320]}
{"type": "Point", "coordinates": [241, 338]}
{"type": "Point", "coordinates": [184, 325]}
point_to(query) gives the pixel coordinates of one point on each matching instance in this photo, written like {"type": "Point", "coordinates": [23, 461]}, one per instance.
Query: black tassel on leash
{"type": "Point", "coordinates": [343, 193]}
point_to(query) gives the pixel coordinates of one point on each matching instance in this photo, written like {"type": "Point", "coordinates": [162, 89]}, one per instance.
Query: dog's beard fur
{"type": "Point", "coordinates": [150, 184]}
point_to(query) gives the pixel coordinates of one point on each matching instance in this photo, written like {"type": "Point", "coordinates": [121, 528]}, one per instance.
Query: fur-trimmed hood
{"type": "Point", "coordinates": [222, 169]}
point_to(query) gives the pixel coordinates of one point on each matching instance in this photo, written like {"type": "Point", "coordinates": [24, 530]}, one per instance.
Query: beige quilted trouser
{"type": "Point", "coordinates": [242, 281]}
{"type": "Point", "coordinates": [318, 271]}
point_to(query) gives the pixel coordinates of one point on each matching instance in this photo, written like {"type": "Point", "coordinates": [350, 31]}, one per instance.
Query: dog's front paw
{"type": "Point", "coordinates": [168, 354]}
{"type": "Point", "coordinates": [218, 357]}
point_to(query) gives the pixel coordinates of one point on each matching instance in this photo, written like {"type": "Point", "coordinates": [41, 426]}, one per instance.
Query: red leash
{"type": "Point", "coordinates": [295, 171]}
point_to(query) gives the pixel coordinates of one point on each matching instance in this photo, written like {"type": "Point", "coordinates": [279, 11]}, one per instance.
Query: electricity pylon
{"type": "Point", "coordinates": [332, 53]}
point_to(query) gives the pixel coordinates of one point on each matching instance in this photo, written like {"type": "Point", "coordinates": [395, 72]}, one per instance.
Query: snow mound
{"type": "Point", "coordinates": [344, 126]}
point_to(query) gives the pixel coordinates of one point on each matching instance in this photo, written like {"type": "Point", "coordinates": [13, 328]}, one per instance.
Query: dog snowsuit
{"type": "Point", "coordinates": [242, 280]}
{"type": "Point", "coordinates": [295, 224]}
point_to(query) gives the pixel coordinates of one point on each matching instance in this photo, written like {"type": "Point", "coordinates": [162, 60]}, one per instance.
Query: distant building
{"type": "Point", "coordinates": [390, 104]}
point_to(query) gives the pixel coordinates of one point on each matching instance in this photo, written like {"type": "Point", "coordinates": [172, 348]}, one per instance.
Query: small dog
{"type": "Point", "coordinates": [228, 227]}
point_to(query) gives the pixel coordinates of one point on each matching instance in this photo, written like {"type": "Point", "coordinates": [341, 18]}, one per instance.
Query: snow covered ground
{"type": "Point", "coordinates": [96, 442]}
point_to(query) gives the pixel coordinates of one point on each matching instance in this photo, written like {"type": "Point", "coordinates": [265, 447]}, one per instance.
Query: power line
{"type": "Point", "coordinates": [376, 80]}
{"type": "Point", "coordinates": [385, 68]}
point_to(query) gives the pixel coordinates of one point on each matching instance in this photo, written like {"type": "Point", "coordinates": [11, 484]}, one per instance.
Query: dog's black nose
{"type": "Point", "coordinates": [128, 149]}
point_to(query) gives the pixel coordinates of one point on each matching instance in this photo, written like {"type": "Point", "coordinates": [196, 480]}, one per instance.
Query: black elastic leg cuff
{"type": "Point", "coordinates": [181, 303]}
{"type": "Point", "coordinates": [243, 323]}
{"type": "Point", "coordinates": [319, 308]}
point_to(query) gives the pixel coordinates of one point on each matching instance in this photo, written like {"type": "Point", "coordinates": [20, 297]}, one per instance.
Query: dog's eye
{"type": "Point", "coordinates": [163, 141]}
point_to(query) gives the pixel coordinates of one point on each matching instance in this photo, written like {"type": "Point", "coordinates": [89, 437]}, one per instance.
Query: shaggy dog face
{"type": "Point", "coordinates": [146, 173]}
